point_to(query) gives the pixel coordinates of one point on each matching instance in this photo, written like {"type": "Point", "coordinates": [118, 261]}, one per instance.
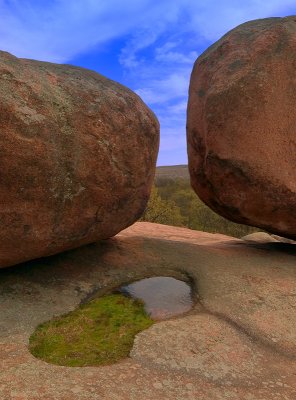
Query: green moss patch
{"type": "Point", "coordinates": [97, 333]}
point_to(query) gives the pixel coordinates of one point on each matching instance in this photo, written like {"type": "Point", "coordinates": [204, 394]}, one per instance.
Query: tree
{"type": "Point", "coordinates": [173, 202]}
{"type": "Point", "coordinates": [162, 211]}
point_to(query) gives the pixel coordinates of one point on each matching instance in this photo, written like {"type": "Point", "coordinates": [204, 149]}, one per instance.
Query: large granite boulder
{"type": "Point", "coordinates": [77, 158]}
{"type": "Point", "coordinates": [242, 125]}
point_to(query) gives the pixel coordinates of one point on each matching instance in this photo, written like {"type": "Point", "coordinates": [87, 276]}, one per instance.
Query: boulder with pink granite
{"type": "Point", "coordinates": [77, 158]}
{"type": "Point", "coordinates": [241, 125]}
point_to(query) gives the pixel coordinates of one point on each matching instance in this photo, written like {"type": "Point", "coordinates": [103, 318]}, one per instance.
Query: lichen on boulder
{"type": "Point", "coordinates": [241, 125]}
{"type": "Point", "coordinates": [77, 158]}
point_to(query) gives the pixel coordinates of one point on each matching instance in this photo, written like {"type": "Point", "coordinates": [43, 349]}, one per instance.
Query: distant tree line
{"type": "Point", "coordinates": [173, 202]}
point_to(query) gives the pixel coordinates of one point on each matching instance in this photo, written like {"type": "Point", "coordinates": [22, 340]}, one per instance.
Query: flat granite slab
{"type": "Point", "coordinates": [238, 342]}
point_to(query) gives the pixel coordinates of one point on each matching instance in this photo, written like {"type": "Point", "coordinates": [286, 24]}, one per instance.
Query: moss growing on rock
{"type": "Point", "coordinates": [97, 333]}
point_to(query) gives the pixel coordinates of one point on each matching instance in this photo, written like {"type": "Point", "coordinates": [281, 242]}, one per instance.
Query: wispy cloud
{"type": "Point", "coordinates": [60, 29]}
{"type": "Point", "coordinates": [168, 54]}
{"type": "Point", "coordinates": [165, 89]}
{"type": "Point", "coordinates": [163, 72]}
{"type": "Point", "coordinates": [161, 41]}
{"type": "Point", "coordinates": [211, 19]}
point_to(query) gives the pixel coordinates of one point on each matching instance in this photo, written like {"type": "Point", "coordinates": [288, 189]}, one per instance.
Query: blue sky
{"type": "Point", "coordinates": [148, 45]}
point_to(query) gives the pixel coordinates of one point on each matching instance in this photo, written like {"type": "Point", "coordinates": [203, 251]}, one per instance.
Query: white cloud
{"type": "Point", "coordinates": [143, 39]}
{"type": "Point", "coordinates": [167, 88]}
{"type": "Point", "coordinates": [161, 42]}
{"type": "Point", "coordinates": [178, 108]}
{"type": "Point", "coordinates": [176, 57]}
{"type": "Point", "coordinates": [212, 19]}
{"type": "Point", "coordinates": [168, 54]}
{"type": "Point", "coordinates": [61, 29]}
{"type": "Point", "coordinates": [164, 77]}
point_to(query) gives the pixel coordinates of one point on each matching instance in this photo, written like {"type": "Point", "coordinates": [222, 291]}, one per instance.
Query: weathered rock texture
{"type": "Point", "coordinates": [241, 125]}
{"type": "Point", "coordinates": [77, 158]}
{"type": "Point", "coordinates": [237, 343]}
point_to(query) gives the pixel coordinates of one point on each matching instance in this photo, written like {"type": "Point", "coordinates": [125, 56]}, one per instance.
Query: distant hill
{"type": "Point", "coordinates": [172, 172]}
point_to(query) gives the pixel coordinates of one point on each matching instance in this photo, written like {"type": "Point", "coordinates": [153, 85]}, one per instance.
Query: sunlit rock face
{"type": "Point", "coordinates": [77, 158]}
{"type": "Point", "coordinates": [241, 125]}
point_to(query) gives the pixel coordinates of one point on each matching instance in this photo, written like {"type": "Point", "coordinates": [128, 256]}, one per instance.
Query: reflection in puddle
{"type": "Point", "coordinates": [163, 297]}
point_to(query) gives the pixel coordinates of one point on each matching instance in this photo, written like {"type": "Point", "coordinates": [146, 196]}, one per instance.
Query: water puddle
{"type": "Point", "coordinates": [163, 297]}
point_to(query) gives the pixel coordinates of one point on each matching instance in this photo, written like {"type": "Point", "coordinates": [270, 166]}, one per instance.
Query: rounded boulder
{"type": "Point", "coordinates": [241, 122]}
{"type": "Point", "coordinates": [77, 158]}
